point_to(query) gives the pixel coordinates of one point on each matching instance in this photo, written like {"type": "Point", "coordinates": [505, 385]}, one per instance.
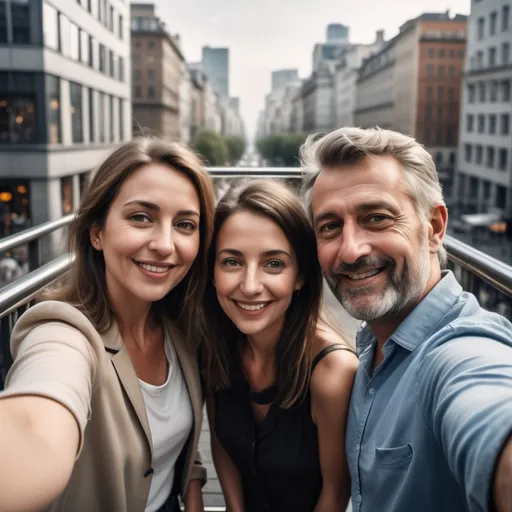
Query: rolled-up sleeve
{"type": "Point", "coordinates": [465, 391]}
{"type": "Point", "coordinates": [198, 471]}
{"type": "Point", "coordinates": [55, 361]}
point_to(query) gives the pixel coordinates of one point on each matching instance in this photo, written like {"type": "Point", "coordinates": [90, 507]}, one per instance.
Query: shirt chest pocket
{"type": "Point", "coordinates": [395, 457]}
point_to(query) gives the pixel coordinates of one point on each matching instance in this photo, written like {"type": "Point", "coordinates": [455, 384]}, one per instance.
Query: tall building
{"type": "Point", "coordinates": [282, 77]}
{"type": "Point", "coordinates": [336, 32]}
{"type": "Point", "coordinates": [157, 64]}
{"type": "Point", "coordinates": [484, 169]}
{"type": "Point", "coordinates": [215, 63]}
{"type": "Point", "coordinates": [64, 101]}
{"type": "Point", "coordinates": [413, 86]}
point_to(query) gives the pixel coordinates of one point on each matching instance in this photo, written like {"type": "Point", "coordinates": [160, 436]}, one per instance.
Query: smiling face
{"type": "Point", "coordinates": [151, 235]}
{"type": "Point", "coordinates": [255, 273]}
{"type": "Point", "coordinates": [373, 247]}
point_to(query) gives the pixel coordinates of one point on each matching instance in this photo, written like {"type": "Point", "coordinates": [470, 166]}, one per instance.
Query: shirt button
{"type": "Point", "coordinates": [359, 498]}
{"type": "Point", "coordinates": [371, 391]}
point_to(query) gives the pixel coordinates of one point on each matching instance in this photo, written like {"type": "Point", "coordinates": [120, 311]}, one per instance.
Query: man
{"type": "Point", "coordinates": [430, 419]}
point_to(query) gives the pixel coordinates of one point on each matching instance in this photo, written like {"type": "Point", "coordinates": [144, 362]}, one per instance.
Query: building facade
{"type": "Point", "coordinates": [185, 105]}
{"type": "Point", "coordinates": [484, 169]}
{"type": "Point", "coordinates": [215, 64]}
{"type": "Point", "coordinates": [157, 63]}
{"type": "Point", "coordinates": [64, 100]}
{"type": "Point", "coordinates": [317, 99]}
{"type": "Point", "coordinates": [282, 77]}
{"type": "Point", "coordinates": [413, 86]}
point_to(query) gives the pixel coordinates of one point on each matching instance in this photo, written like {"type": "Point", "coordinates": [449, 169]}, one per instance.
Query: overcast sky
{"type": "Point", "coordinates": [265, 35]}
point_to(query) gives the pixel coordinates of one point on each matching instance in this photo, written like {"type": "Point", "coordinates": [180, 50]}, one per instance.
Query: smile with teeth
{"type": "Point", "coordinates": [364, 275]}
{"type": "Point", "coordinates": [251, 307]}
{"type": "Point", "coordinates": [154, 268]}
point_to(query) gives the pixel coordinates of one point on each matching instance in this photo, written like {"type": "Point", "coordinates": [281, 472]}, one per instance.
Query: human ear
{"type": "Point", "coordinates": [437, 227]}
{"type": "Point", "coordinates": [95, 237]}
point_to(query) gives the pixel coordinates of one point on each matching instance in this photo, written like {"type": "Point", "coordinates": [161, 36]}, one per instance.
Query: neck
{"type": "Point", "coordinates": [384, 327]}
{"type": "Point", "coordinates": [262, 345]}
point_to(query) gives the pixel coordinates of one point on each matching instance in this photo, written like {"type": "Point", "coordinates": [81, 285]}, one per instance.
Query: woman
{"type": "Point", "coordinates": [280, 379]}
{"type": "Point", "coordinates": [102, 406]}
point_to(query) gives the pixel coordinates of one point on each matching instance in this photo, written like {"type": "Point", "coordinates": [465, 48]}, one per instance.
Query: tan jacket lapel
{"type": "Point", "coordinates": [125, 371]}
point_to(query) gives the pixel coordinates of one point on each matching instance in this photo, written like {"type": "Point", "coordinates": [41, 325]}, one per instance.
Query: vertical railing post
{"type": "Point", "coordinates": [5, 348]}
{"type": "Point", "coordinates": [34, 255]}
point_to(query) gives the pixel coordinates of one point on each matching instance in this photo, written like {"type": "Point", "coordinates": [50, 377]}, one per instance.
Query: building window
{"type": "Point", "coordinates": [440, 93]}
{"type": "Point", "coordinates": [491, 156]}
{"type": "Point", "coordinates": [151, 44]}
{"type": "Point", "coordinates": [481, 123]}
{"type": "Point", "coordinates": [471, 93]}
{"type": "Point", "coordinates": [121, 69]}
{"type": "Point", "coordinates": [481, 28]}
{"type": "Point", "coordinates": [451, 94]}
{"type": "Point", "coordinates": [439, 113]}
{"type": "Point", "coordinates": [440, 71]}
{"type": "Point", "coordinates": [120, 27]}
{"type": "Point", "coordinates": [505, 90]}
{"type": "Point", "coordinates": [18, 108]}
{"type": "Point", "coordinates": [493, 23]}
{"type": "Point", "coordinates": [468, 152]}
{"type": "Point", "coordinates": [52, 85]}
{"type": "Point", "coordinates": [90, 93]}
{"type": "Point", "coordinates": [479, 154]}
{"type": "Point", "coordinates": [470, 121]}
{"type": "Point", "coordinates": [452, 157]}
{"type": "Point", "coordinates": [101, 116]}
{"type": "Point", "coordinates": [429, 93]}
{"type": "Point", "coordinates": [50, 26]}
{"type": "Point", "coordinates": [66, 194]}
{"type": "Point", "coordinates": [89, 5]}
{"type": "Point", "coordinates": [441, 52]}
{"type": "Point", "coordinates": [439, 136]}
{"type": "Point", "coordinates": [505, 124]}
{"type": "Point", "coordinates": [74, 42]}
{"type": "Point", "coordinates": [103, 58]}
{"type": "Point", "coordinates": [431, 52]}
{"type": "Point", "coordinates": [121, 119]}
{"type": "Point", "coordinates": [111, 119]}
{"type": "Point", "coordinates": [430, 70]}
{"type": "Point", "coordinates": [487, 189]}
{"type": "Point", "coordinates": [452, 71]}
{"type": "Point", "coordinates": [111, 20]}
{"type": "Point", "coordinates": [112, 67]}
{"type": "Point", "coordinates": [505, 53]}
{"type": "Point", "coordinates": [20, 17]}
{"type": "Point", "coordinates": [492, 124]}
{"type": "Point", "coordinates": [428, 112]}
{"type": "Point", "coordinates": [493, 91]}
{"type": "Point", "coordinates": [482, 92]}
{"type": "Point", "coordinates": [151, 91]}
{"type": "Point", "coordinates": [91, 52]}
{"type": "Point", "coordinates": [492, 57]}
{"type": "Point", "coordinates": [75, 99]}
{"type": "Point", "coordinates": [503, 159]}
{"type": "Point", "coordinates": [3, 22]}
{"type": "Point", "coordinates": [473, 187]}
{"type": "Point", "coordinates": [505, 18]}
{"type": "Point", "coordinates": [501, 197]}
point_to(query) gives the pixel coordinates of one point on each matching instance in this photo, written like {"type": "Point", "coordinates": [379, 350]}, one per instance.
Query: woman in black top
{"type": "Point", "coordinates": [278, 378]}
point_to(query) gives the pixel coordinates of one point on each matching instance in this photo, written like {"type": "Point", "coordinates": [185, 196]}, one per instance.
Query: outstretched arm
{"type": "Point", "coordinates": [331, 386]}
{"type": "Point", "coordinates": [502, 487]}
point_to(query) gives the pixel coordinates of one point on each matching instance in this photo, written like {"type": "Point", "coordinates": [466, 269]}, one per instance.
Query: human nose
{"type": "Point", "coordinates": [162, 240]}
{"type": "Point", "coordinates": [251, 283]}
{"type": "Point", "coordinates": [354, 244]}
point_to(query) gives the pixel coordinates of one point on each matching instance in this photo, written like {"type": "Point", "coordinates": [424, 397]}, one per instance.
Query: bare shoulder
{"type": "Point", "coordinates": [334, 374]}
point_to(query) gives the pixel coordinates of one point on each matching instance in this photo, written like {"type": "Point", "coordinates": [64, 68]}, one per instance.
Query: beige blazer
{"type": "Point", "coordinates": [59, 354]}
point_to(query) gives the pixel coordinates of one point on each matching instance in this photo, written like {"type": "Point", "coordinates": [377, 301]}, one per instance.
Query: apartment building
{"type": "Point", "coordinates": [157, 63]}
{"type": "Point", "coordinates": [64, 101]}
{"type": "Point", "coordinates": [413, 86]}
{"type": "Point", "coordinates": [484, 170]}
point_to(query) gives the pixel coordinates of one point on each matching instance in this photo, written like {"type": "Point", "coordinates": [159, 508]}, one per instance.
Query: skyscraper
{"type": "Point", "coordinates": [282, 77]}
{"type": "Point", "coordinates": [216, 67]}
{"type": "Point", "coordinates": [336, 33]}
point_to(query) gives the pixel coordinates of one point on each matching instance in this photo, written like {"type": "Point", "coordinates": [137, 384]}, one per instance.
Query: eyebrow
{"type": "Point", "coordinates": [365, 207]}
{"type": "Point", "coordinates": [274, 252]}
{"type": "Point", "coordinates": [155, 207]}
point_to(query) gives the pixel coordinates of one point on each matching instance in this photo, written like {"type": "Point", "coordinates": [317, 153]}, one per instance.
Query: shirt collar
{"type": "Point", "coordinates": [424, 318]}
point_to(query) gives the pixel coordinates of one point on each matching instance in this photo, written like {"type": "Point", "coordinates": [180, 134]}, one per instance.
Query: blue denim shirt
{"type": "Point", "coordinates": [425, 430]}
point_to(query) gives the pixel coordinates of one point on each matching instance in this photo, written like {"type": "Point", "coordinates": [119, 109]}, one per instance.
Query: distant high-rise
{"type": "Point", "coordinates": [282, 77]}
{"type": "Point", "coordinates": [216, 67]}
{"type": "Point", "coordinates": [337, 33]}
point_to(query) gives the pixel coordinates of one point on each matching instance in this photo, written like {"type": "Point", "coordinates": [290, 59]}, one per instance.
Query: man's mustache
{"type": "Point", "coordinates": [362, 263]}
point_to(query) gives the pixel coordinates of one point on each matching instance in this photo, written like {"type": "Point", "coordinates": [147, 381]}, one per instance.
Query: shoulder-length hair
{"type": "Point", "coordinates": [85, 285]}
{"type": "Point", "coordinates": [293, 350]}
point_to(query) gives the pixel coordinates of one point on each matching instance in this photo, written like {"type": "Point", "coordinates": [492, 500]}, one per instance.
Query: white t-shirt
{"type": "Point", "coordinates": [170, 420]}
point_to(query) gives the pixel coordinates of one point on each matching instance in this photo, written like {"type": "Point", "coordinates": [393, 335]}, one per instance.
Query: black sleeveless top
{"type": "Point", "coordinates": [278, 459]}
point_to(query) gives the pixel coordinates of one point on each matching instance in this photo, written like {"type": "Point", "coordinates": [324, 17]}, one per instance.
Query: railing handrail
{"type": "Point", "coordinates": [28, 235]}
{"type": "Point", "coordinates": [24, 289]}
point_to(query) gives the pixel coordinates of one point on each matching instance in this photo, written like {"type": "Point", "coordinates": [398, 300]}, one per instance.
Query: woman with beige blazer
{"type": "Point", "coordinates": [102, 407]}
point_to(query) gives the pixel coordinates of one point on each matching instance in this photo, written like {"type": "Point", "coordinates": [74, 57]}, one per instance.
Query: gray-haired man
{"type": "Point", "coordinates": [430, 419]}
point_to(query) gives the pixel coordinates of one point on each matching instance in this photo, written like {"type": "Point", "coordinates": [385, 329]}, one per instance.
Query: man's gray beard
{"type": "Point", "coordinates": [400, 291]}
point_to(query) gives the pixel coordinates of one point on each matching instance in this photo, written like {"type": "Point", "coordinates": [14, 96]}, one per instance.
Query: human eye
{"type": "Point", "coordinates": [376, 218]}
{"type": "Point", "coordinates": [140, 218]}
{"type": "Point", "coordinates": [274, 265]}
{"type": "Point", "coordinates": [230, 262]}
{"type": "Point", "coordinates": [328, 229]}
{"type": "Point", "coordinates": [186, 225]}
